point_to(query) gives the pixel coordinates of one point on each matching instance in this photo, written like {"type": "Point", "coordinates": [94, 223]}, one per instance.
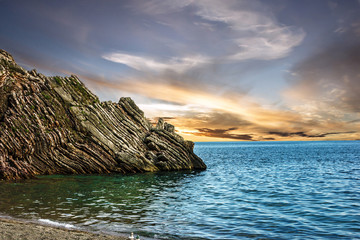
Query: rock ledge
{"type": "Point", "coordinates": [55, 125]}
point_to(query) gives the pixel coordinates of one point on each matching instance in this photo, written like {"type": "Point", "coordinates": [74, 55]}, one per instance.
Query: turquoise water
{"type": "Point", "coordinates": [251, 190]}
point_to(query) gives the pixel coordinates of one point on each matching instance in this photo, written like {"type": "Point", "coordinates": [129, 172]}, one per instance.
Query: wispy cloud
{"type": "Point", "coordinates": [222, 133]}
{"type": "Point", "coordinates": [190, 62]}
{"type": "Point", "coordinates": [257, 34]}
{"type": "Point", "coordinates": [252, 34]}
{"type": "Point", "coordinates": [331, 77]}
{"type": "Point", "coordinates": [202, 115]}
{"type": "Point", "coordinates": [273, 44]}
{"type": "Point", "coordinates": [148, 64]}
{"type": "Point", "coordinates": [306, 135]}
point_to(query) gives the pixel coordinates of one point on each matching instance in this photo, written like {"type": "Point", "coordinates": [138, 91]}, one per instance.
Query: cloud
{"type": "Point", "coordinates": [303, 134]}
{"type": "Point", "coordinates": [355, 121]}
{"type": "Point", "coordinates": [330, 76]}
{"type": "Point", "coordinates": [257, 34]}
{"type": "Point", "coordinates": [247, 32]}
{"type": "Point", "coordinates": [230, 106]}
{"type": "Point", "coordinates": [142, 63]}
{"type": "Point", "coordinates": [220, 119]}
{"type": "Point", "coordinates": [268, 139]}
{"type": "Point", "coordinates": [195, 111]}
{"type": "Point", "coordinates": [155, 7]}
{"type": "Point", "coordinates": [221, 133]}
{"type": "Point", "coordinates": [197, 98]}
{"type": "Point", "coordinates": [270, 44]}
{"type": "Point", "coordinates": [210, 118]}
{"type": "Point", "coordinates": [190, 63]}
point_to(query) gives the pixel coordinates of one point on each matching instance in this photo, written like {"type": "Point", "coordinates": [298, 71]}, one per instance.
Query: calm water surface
{"type": "Point", "coordinates": [257, 190]}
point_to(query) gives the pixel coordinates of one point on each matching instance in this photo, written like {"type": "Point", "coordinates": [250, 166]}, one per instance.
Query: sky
{"type": "Point", "coordinates": [229, 70]}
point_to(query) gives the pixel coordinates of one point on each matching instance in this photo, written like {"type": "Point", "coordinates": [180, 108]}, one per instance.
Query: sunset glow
{"type": "Point", "coordinates": [217, 70]}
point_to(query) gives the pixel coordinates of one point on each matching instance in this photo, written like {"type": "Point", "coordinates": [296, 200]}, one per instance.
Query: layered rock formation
{"type": "Point", "coordinates": [55, 125]}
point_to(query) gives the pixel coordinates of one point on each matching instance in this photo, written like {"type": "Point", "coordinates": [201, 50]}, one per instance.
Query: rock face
{"type": "Point", "coordinates": [55, 125]}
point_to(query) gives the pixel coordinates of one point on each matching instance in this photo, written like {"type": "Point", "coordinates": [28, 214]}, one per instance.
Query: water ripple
{"type": "Point", "coordinates": [277, 190]}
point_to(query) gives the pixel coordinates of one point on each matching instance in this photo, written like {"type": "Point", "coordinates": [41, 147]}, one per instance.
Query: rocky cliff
{"type": "Point", "coordinates": [55, 125]}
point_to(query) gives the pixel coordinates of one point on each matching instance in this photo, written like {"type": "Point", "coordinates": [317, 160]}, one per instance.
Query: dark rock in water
{"type": "Point", "coordinates": [55, 125]}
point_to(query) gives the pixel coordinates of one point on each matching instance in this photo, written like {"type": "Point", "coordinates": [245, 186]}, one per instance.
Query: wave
{"type": "Point", "coordinates": [56, 224]}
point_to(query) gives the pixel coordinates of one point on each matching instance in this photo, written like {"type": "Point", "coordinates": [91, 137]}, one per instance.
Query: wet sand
{"type": "Point", "coordinates": [11, 229]}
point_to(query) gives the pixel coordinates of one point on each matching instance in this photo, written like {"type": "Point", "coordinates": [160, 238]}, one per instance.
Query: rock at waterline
{"type": "Point", "coordinates": [55, 125]}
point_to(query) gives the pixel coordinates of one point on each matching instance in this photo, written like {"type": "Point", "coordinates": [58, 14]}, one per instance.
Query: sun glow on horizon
{"type": "Point", "coordinates": [218, 70]}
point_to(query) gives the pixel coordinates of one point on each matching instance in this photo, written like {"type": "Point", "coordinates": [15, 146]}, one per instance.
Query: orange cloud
{"type": "Point", "coordinates": [201, 115]}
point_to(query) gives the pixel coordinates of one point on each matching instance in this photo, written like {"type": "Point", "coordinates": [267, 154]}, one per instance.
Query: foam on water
{"type": "Point", "coordinates": [57, 224]}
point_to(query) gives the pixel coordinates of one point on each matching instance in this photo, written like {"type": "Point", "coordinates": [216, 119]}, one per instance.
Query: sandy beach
{"type": "Point", "coordinates": [11, 229]}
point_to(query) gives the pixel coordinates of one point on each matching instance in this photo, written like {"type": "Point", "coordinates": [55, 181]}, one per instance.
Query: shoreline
{"type": "Point", "coordinates": [13, 229]}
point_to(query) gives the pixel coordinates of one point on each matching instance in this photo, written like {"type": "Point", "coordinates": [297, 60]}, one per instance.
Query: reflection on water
{"type": "Point", "coordinates": [287, 190]}
{"type": "Point", "coordinates": [136, 203]}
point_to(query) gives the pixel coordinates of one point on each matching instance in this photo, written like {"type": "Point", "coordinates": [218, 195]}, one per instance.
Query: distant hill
{"type": "Point", "coordinates": [55, 125]}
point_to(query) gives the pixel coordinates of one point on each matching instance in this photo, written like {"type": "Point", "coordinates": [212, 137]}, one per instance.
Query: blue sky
{"type": "Point", "coordinates": [218, 70]}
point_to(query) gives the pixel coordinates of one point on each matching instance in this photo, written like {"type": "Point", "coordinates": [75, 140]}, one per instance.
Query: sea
{"type": "Point", "coordinates": [251, 190]}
